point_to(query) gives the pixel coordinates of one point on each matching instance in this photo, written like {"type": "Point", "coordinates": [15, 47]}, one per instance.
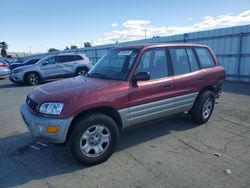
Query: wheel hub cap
{"type": "Point", "coordinates": [207, 108]}
{"type": "Point", "coordinates": [95, 140]}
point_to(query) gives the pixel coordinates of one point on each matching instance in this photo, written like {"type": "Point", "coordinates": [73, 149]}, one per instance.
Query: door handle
{"type": "Point", "coordinates": [200, 78]}
{"type": "Point", "coordinates": [167, 86]}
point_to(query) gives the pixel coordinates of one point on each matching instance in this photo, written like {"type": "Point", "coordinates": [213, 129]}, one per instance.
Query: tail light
{"type": "Point", "coordinates": [3, 65]}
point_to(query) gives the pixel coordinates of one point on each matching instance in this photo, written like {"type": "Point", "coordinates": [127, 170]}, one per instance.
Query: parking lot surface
{"type": "Point", "coordinates": [169, 153]}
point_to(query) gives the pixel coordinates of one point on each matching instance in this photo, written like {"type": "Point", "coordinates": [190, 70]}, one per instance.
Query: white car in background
{"type": "Point", "coordinates": [53, 66]}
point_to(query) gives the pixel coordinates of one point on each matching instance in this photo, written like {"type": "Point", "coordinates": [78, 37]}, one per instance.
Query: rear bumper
{"type": "Point", "coordinates": [37, 126]}
{"type": "Point", "coordinates": [4, 72]}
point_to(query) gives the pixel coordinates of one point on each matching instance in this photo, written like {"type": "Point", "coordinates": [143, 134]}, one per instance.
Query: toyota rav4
{"type": "Point", "coordinates": [128, 86]}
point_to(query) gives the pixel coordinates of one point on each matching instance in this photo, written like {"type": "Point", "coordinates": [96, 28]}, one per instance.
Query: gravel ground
{"type": "Point", "coordinates": [168, 153]}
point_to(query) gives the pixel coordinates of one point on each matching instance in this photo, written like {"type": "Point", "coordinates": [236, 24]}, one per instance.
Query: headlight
{"type": "Point", "coordinates": [17, 70]}
{"type": "Point", "coordinates": [51, 108]}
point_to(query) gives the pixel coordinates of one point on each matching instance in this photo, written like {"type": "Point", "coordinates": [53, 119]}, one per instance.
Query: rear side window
{"type": "Point", "coordinates": [61, 59]}
{"type": "Point", "coordinates": [183, 60]}
{"type": "Point", "coordinates": [206, 60]}
{"type": "Point", "coordinates": [78, 57]}
{"type": "Point", "coordinates": [180, 61]}
{"type": "Point", "coordinates": [192, 60]}
{"type": "Point", "coordinates": [65, 58]}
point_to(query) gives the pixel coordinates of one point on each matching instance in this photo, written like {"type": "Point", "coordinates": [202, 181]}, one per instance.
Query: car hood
{"type": "Point", "coordinates": [23, 66]}
{"type": "Point", "coordinates": [16, 64]}
{"type": "Point", "coordinates": [67, 88]}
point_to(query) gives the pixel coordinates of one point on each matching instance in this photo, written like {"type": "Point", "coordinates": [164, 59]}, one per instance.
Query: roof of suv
{"type": "Point", "coordinates": [162, 45]}
{"type": "Point", "coordinates": [75, 53]}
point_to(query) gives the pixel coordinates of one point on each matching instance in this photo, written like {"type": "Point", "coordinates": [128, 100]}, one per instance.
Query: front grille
{"type": "Point", "coordinates": [31, 104]}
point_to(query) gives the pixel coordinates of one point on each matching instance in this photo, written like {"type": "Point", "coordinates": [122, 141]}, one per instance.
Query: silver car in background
{"type": "Point", "coordinates": [54, 66]}
{"type": "Point", "coordinates": [4, 70]}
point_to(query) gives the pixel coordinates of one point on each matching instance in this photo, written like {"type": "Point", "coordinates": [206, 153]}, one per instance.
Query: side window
{"type": "Point", "coordinates": [63, 58]}
{"type": "Point", "coordinates": [77, 58]}
{"type": "Point", "coordinates": [192, 60]}
{"type": "Point", "coordinates": [154, 62]}
{"type": "Point", "coordinates": [179, 60]}
{"type": "Point", "coordinates": [206, 60]}
{"type": "Point", "coordinates": [71, 58]}
{"type": "Point", "coordinates": [51, 60]}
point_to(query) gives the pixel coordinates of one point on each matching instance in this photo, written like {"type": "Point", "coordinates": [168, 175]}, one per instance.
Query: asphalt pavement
{"type": "Point", "coordinates": [173, 152]}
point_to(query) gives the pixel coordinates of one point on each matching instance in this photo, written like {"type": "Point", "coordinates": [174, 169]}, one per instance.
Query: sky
{"type": "Point", "coordinates": [37, 25]}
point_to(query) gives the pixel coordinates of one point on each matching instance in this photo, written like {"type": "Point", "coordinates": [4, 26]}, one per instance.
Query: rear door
{"type": "Point", "coordinates": [188, 77]}
{"type": "Point", "coordinates": [207, 63]}
{"type": "Point", "coordinates": [68, 64]}
{"type": "Point", "coordinates": [154, 98]}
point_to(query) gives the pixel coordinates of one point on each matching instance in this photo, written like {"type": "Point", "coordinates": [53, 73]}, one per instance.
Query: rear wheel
{"type": "Point", "coordinates": [81, 71]}
{"type": "Point", "coordinates": [93, 139]}
{"type": "Point", "coordinates": [32, 78]}
{"type": "Point", "coordinates": [203, 107]}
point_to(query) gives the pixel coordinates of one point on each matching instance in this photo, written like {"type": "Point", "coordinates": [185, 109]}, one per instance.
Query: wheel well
{"type": "Point", "coordinates": [211, 88]}
{"type": "Point", "coordinates": [109, 111]}
{"type": "Point", "coordinates": [27, 73]}
{"type": "Point", "coordinates": [84, 67]}
{"type": "Point", "coordinates": [208, 88]}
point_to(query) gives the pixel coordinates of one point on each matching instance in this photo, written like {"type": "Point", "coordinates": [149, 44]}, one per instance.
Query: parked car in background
{"type": "Point", "coordinates": [128, 86]}
{"type": "Point", "coordinates": [54, 66]}
{"type": "Point", "coordinates": [10, 61]}
{"type": "Point", "coordinates": [27, 62]}
{"type": "Point", "coordinates": [3, 61]}
{"type": "Point", "coordinates": [4, 69]}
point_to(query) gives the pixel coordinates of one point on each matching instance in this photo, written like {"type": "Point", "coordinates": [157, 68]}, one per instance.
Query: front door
{"type": "Point", "coordinates": [51, 69]}
{"type": "Point", "coordinates": [154, 98]}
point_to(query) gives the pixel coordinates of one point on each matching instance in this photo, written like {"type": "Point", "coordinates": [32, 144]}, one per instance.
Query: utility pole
{"type": "Point", "coordinates": [145, 33]}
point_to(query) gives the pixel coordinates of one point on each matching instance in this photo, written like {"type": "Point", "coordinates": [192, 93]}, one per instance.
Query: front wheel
{"type": "Point", "coordinates": [93, 139]}
{"type": "Point", "coordinates": [203, 107]}
{"type": "Point", "coordinates": [32, 78]}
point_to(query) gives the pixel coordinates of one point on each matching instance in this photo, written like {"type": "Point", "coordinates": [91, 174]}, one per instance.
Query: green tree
{"type": "Point", "coordinates": [4, 47]}
{"type": "Point", "coordinates": [73, 47]}
{"type": "Point", "coordinates": [87, 44]}
{"type": "Point", "coordinates": [53, 50]}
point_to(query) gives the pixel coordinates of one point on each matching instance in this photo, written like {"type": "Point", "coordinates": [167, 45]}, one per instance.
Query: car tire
{"type": "Point", "coordinates": [32, 78]}
{"type": "Point", "coordinates": [93, 139]}
{"type": "Point", "coordinates": [203, 107]}
{"type": "Point", "coordinates": [81, 71]}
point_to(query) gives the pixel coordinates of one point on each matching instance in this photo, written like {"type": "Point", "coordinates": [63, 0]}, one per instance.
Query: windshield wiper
{"type": "Point", "coordinates": [98, 75]}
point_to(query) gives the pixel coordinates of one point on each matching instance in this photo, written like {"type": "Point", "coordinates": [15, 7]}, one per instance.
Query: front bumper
{"type": "Point", "coordinates": [16, 78]}
{"type": "Point", "coordinates": [37, 125]}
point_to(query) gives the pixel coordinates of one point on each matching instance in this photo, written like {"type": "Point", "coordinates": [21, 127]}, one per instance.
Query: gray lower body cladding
{"type": "Point", "coordinates": [155, 110]}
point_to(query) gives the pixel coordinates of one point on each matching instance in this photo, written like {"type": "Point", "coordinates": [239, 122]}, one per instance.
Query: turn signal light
{"type": "Point", "coordinates": [52, 129]}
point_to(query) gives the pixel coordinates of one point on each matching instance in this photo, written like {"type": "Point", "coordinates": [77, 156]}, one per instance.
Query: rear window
{"type": "Point", "coordinates": [206, 59]}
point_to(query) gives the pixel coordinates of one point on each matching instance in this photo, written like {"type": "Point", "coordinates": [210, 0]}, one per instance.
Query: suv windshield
{"type": "Point", "coordinates": [115, 65]}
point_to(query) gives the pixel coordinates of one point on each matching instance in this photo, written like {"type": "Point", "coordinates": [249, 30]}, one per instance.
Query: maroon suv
{"type": "Point", "coordinates": [128, 86]}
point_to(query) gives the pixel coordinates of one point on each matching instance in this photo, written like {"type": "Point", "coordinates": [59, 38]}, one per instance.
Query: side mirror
{"type": "Point", "coordinates": [141, 76]}
{"type": "Point", "coordinates": [45, 63]}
